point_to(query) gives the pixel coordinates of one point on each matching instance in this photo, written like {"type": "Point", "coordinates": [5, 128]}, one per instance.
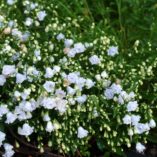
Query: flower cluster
{"type": "Point", "coordinates": [61, 91]}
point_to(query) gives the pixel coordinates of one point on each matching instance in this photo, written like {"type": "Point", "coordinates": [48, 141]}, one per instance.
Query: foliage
{"type": "Point", "coordinates": [78, 70]}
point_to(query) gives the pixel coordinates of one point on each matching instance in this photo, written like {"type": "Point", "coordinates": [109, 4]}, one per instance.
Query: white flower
{"type": "Point", "coordinates": [37, 53]}
{"type": "Point", "coordinates": [49, 127]}
{"type": "Point", "coordinates": [70, 90]}
{"type": "Point", "coordinates": [2, 137]}
{"type": "Point", "coordinates": [17, 33]}
{"type": "Point", "coordinates": [33, 6]}
{"type": "Point", "coordinates": [81, 132]}
{"type": "Point", "coordinates": [28, 21]}
{"type": "Point", "coordinates": [2, 80]}
{"type": "Point", "coordinates": [24, 38]}
{"type": "Point", "coordinates": [71, 53]}
{"type": "Point", "coordinates": [80, 82]}
{"type": "Point", "coordinates": [79, 48]}
{"type": "Point", "coordinates": [7, 146]}
{"type": "Point", "coordinates": [124, 95]}
{"type": "Point", "coordinates": [46, 117]}
{"type": "Point", "coordinates": [3, 110]}
{"type": "Point", "coordinates": [104, 74]}
{"type": "Point", "coordinates": [10, 2]}
{"type": "Point", "coordinates": [81, 99]}
{"type": "Point", "coordinates": [63, 75]}
{"type": "Point", "coordinates": [152, 123]}
{"type": "Point", "coordinates": [8, 48]}
{"type": "Point", "coordinates": [109, 94]}
{"type": "Point", "coordinates": [11, 117]}
{"type": "Point", "coordinates": [72, 77]}
{"type": "Point", "coordinates": [140, 147]}
{"type": "Point", "coordinates": [132, 106]}
{"type": "Point", "coordinates": [120, 100]}
{"type": "Point", "coordinates": [25, 94]}
{"type": "Point", "coordinates": [49, 86]}
{"type": "Point", "coordinates": [112, 51]}
{"type": "Point", "coordinates": [140, 128]}
{"type": "Point", "coordinates": [48, 103]}
{"type": "Point", "coordinates": [20, 78]}
{"type": "Point", "coordinates": [41, 15]}
{"type": "Point", "coordinates": [22, 115]}
{"type": "Point", "coordinates": [17, 94]}
{"type": "Point", "coordinates": [27, 106]}
{"type": "Point", "coordinates": [116, 88]}
{"type": "Point", "coordinates": [35, 72]}
{"type": "Point", "coordinates": [127, 119]}
{"type": "Point", "coordinates": [26, 130]}
{"type": "Point", "coordinates": [68, 42]}
{"type": "Point", "coordinates": [49, 73]}
{"type": "Point", "coordinates": [60, 36]}
{"type": "Point", "coordinates": [94, 60]}
{"type": "Point", "coordinates": [15, 56]}
{"type": "Point", "coordinates": [61, 105]}
{"type": "Point", "coordinates": [8, 70]}
{"type": "Point", "coordinates": [11, 23]}
{"type": "Point", "coordinates": [8, 150]}
{"type": "Point", "coordinates": [56, 69]}
{"type": "Point", "coordinates": [135, 119]}
{"type": "Point", "coordinates": [131, 95]}
{"type": "Point", "coordinates": [60, 93]}
{"type": "Point", "coordinates": [89, 83]}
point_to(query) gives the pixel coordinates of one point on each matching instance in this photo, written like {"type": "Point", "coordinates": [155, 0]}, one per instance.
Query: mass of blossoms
{"type": "Point", "coordinates": [60, 91]}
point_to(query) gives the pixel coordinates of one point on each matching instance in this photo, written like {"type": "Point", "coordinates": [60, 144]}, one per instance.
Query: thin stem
{"type": "Point", "coordinates": [20, 140]}
{"type": "Point", "coordinates": [78, 153]}
{"type": "Point", "coordinates": [122, 28]}
{"type": "Point", "coordinates": [119, 3]}
{"type": "Point", "coordinates": [1, 153]}
{"type": "Point", "coordinates": [30, 146]}
{"type": "Point", "coordinates": [89, 12]}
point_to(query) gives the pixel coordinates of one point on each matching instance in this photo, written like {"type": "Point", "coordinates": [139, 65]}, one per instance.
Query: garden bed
{"type": "Point", "coordinates": [78, 78]}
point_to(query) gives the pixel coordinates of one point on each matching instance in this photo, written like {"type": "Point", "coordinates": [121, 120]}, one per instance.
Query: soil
{"type": "Point", "coordinates": [151, 151]}
{"type": "Point", "coordinates": [30, 150]}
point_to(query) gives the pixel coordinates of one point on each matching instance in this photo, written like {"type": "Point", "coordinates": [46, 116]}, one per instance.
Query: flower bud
{"type": "Point", "coordinates": [7, 30]}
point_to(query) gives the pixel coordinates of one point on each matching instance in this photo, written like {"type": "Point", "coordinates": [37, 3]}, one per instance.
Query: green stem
{"type": "Point", "coordinates": [122, 28]}
{"type": "Point", "coordinates": [119, 3]}
{"type": "Point", "coordinates": [87, 7]}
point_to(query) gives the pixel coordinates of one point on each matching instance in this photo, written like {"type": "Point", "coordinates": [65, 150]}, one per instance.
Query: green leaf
{"type": "Point", "coordinates": [100, 145]}
{"type": "Point", "coordinates": [152, 138]}
{"type": "Point", "coordinates": [107, 154]}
